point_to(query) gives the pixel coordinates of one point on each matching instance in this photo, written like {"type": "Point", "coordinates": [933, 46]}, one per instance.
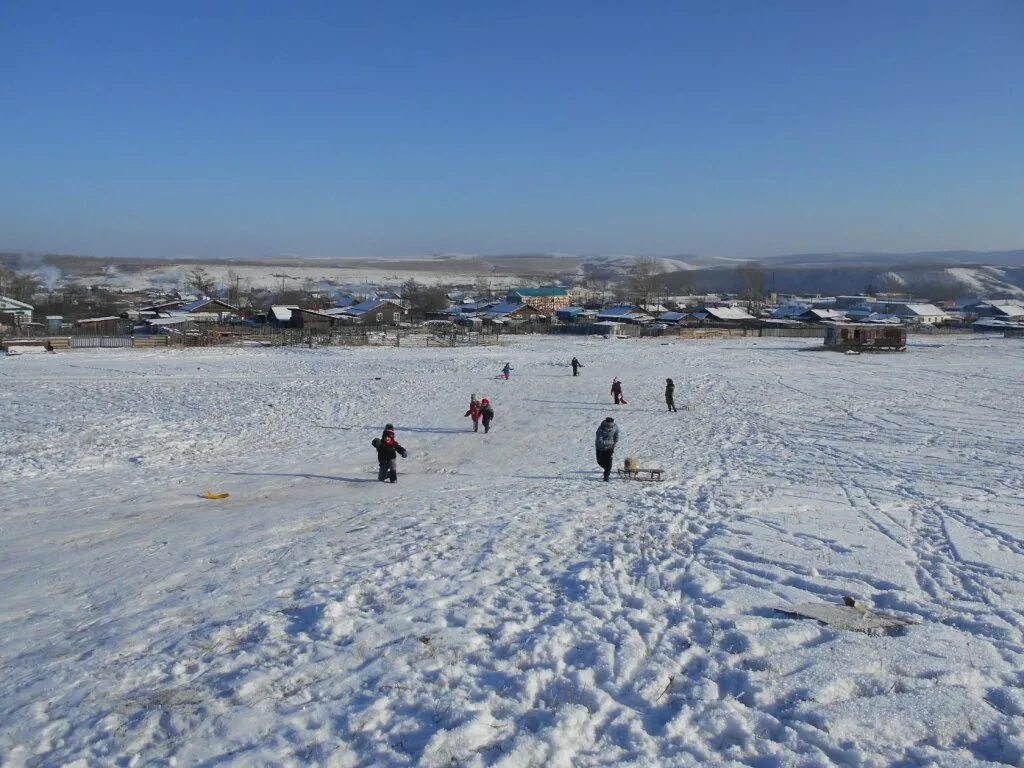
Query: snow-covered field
{"type": "Point", "coordinates": [500, 605]}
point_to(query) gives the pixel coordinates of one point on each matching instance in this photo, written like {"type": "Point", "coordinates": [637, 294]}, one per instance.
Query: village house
{"type": "Point", "coordinates": [15, 312]}
{"type": "Point", "coordinates": [547, 299]}
{"type": "Point", "coordinates": [376, 312]}
{"type": "Point", "coordinates": [571, 314]}
{"type": "Point", "coordinates": [1000, 310]}
{"type": "Point", "coordinates": [507, 312]}
{"type": "Point", "coordinates": [161, 307]}
{"type": "Point", "coordinates": [730, 315]}
{"type": "Point", "coordinates": [919, 314]}
{"type": "Point", "coordinates": [215, 309]}
{"type": "Point", "coordinates": [290, 316]}
{"type": "Point", "coordinates": [671, 318]}
{"type": "Point", "coordinates": [821, 315]}
{"type": "Point", "coordinates": [626, 314]}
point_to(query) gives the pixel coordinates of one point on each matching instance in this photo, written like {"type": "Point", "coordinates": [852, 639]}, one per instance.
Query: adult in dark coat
{"type": "Point", "coordinates": [670, 390]}
{"type": "Point", "coordinates": [576, 365]}
{"type": "Point", "coordinates": [388, 451]}
{"type": "Point", "coordinates": [607, 439]}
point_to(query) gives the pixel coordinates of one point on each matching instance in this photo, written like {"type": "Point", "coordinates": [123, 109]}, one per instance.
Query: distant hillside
{"type": "Point", "coordinates": [838, 279]}
{"type": "Point", "coordinates": [932, 274]}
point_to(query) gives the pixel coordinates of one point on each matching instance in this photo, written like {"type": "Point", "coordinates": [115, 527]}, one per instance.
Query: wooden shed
{"type": "Point", "coordinates": [102, 326]}
{"type": "Point", "coordinates": [865, 336]}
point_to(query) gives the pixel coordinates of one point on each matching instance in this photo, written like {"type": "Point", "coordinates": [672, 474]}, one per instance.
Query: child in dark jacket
{"type": "Point", "coordinates": [388, 451]}
{"type": "Point", "coordinates": [670, 390]}
{"type": "Point", "coordinates": [617, 392]}
{"type": "Point", "coordinates": [487, 414]}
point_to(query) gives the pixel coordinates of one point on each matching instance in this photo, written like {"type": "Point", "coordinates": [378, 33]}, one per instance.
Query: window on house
{"type": "Point", "coordinates": [397, 316]}
{"type": "Point", "coordinates": [380, 317]}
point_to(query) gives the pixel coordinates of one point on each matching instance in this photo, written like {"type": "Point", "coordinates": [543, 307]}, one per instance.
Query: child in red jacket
{"type": "Point", "coordinates": [474, 413]}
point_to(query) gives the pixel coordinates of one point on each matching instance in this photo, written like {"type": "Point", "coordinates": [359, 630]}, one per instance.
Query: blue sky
{"type": "Point", "coordinates": [744, 128]}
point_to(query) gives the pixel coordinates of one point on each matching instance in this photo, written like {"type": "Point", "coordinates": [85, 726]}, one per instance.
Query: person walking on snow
{"type": "Point", "coordinates": [507, 370]}
{"type": "Point", "coordinates": [576, 365]}
{"type": "Point", "coordinates": [388, 451]}
{"type": "Point", "coordinates": [617, 392]}
{"type": "Point", "coordinates": [670, 389]}
{"type": "Point", "coordinates": [487, 414]}
{"type": "Point", "coordinates": [474, 413]}
{"type": "Point", "coordinates": [607, 438]}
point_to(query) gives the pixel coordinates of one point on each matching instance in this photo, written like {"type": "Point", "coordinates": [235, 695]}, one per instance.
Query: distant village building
{"type": "Point", "coordinates": [375, 312]}
{"type": "Point", "coordinates": [220, 310]}
{"type": "Point", "coordinates": [625, 314]}
{"type": "Point", "coordinates": [1000, 310]}
{"type": "Point", "coordinates": [547, 299]}
{"type": "Point", "coordinates": [821, 315]}
{"type": "Point", "coordinates": [671, 318]}
{"type": "Point", "coordinates": [15, 312]}
{"type": "Point", "coordinates": [102, 326]}
{"type": "Point", "coordinates": [507, 312]}
{"type": "Point", "coordinates": [731, 315]}
{"type": "Point", "coordinates": [290, 316]}
{"type": "Point", "coordinates": [919, 314]}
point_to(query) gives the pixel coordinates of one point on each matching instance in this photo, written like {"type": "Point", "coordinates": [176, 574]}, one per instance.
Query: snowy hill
{"type": "Point", "coordinates": [501, 605]}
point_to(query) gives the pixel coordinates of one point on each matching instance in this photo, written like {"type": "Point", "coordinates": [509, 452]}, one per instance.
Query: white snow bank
{"type": "Point", "coordinates": [500, 605]}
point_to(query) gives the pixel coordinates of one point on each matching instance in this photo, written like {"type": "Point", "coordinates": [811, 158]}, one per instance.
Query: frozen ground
{"type": "Point", "coordinates": [501, 605]}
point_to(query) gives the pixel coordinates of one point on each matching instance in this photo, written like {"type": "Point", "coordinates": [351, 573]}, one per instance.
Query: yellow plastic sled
{"type": "Point", "coordinates": [215, 496]}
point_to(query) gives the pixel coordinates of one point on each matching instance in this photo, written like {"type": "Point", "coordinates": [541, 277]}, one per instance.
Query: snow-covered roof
{"type": "Point", "coordinates": [198, 304]}
{"type": "Point", "coordinates": [282, 313]}
{"type": "Point", "coordinates": [365, 306]}
{"type": "Point", "coordinates": [825, 314]}
{"type": "Point", "coordinates": [1009, 310]}
{"type": "Point", "coordinates": [791, 310]}
{"type": "Point", "coordinates": [877, 318]}
{"type": "Point", "coordinates": [622, 310]}
{"type": "Point", "coordinates": [173, 320]}
{"type": "Point", "coordinates": [671, 317]}
{"type": "Point", "coordinates": [97, 319]}
{"type": "Point", "coordinates": [506, 308]}
{"type": "Point", "coordinates": [8, 304]}
{"type": "Point", "coordinates": [923, 310]}
{"type": "Point", "coordinates": [995, 324]}
{"type": "Point", "coordinates": [728, 313]}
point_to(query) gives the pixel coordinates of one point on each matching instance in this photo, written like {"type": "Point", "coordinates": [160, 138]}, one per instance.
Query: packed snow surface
{"type": "Point", "coordinates": [501, 605]}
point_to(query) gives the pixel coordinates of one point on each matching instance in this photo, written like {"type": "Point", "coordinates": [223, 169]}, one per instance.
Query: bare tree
{"type": "Point", "coordinates": [237, 289]}
{"type": "Point", "coordinates": [645, 279]}
{"type": "Point", "coordinates": [200, 281]}
{"type": "Point", "coordinates": [751, 279]}
{"type": "Point", "coordinates": [422, 300]}
{"type": "Point", "coordinates": [17, 285]}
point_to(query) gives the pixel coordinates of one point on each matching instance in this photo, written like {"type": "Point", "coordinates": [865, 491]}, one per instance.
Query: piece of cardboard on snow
{"type": "Point", "coordinates": [853, 618]}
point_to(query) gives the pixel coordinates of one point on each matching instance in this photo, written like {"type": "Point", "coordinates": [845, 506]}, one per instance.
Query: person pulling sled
{"type": "Point", "coordinates": [576, 365]}
{"type": "Point", "coordinates": [617, 392]}
{"type": "Point", "coordinates": [388, 451]}
{"type": "Point", "coordinates": [507, 371]}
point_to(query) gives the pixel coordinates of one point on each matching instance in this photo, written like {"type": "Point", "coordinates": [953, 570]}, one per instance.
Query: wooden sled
{"type": "Point", "coordinates": [642, 474]}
